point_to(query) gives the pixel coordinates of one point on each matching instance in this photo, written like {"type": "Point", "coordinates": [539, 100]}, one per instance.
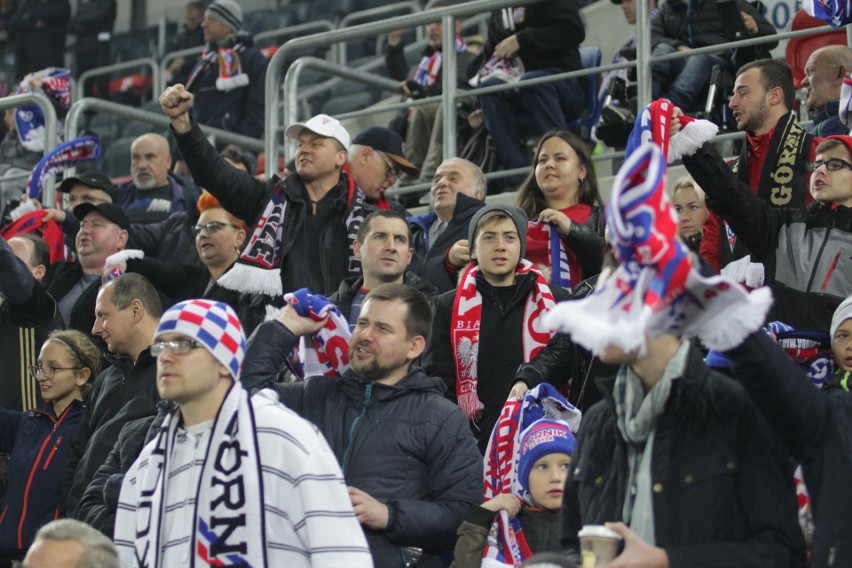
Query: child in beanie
{"type": "Point", "coordinates": [544, 458]}
{"type": "Point", "coordinates": [841, 347]}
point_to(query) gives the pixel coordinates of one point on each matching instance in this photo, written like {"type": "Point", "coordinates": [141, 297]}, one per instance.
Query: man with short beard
{"type": "Point", "coordinates": [155, 192]}
{"type": "Point", "coordinates": [407, 454]}
{"type": "Point", "coordinates": [772, 161]}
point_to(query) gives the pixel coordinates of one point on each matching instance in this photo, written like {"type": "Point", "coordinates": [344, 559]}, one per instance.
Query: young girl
{"type": "Point", "coordinates": [543, 461]}
{"type": "Point", "coordinates": [561, 194]}
{"type": "Point", "coordinates": [39, 440]}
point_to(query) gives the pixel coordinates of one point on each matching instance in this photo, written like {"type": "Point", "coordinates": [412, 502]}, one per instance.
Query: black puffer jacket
{"type": "Point", "coordinates": [405, 445]}
{"type": "Point", "coordinates": [816, 428]}
{"type": "Point", "coordinates": [61, 278]}
{"type": "Point", "coordinates": [501, 348]}
{"type": "Point", "coordinates": [100, 500]}
{"type": "Point", "coordinates": [246, 197]}
{"type": "Point", "coordinates": [722, 491]}
{"type": "Point", "coordinates": [806, 254]}
{"type": "Point", "coordinates": [429, 258]}
{"type": "Point", "coordinates": [124, 392]}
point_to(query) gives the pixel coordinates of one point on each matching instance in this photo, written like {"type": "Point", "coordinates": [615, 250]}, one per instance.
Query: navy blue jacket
{"type": "Point", "coordinates": [39, 443]}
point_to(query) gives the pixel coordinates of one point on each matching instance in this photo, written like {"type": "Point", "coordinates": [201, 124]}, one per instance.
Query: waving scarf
{"type": "Point", "coordinates": [60, 159]}
{"type": "Point", "coordinates": [29, 120]}
{"type": "Point", "coordinates": [837, 13]}
{"type": "Point", "coordinates": [467, 314]}
{"type": "Point", "coordinates": [506, 544]}
{"type": "Point", "coordinates": [51, 232]}
{"type": "Point", "coordinates": [656, 289]}
{"type": "Point", "coordinates": [327, 351]}
{"type": "Point", "coordinates": [224, 523]}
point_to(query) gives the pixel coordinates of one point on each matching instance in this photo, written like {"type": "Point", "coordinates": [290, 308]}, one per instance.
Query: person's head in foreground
{"type": "Point", "coordinates": [831, 177]}
{"type": "Point", "coordinates": [67, 543]}
{"type": "Point", "coordinates": [199, 345]}
{"type": "Point", "coordinates": [544, 459]}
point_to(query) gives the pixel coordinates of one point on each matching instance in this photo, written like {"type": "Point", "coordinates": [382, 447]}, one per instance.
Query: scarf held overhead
{"type": "Point", "coordinates": [467, 315]}
{"type": "Point", "coordinates": [327, 351]}
{"type": "Point", "coordinates": [228, 525]}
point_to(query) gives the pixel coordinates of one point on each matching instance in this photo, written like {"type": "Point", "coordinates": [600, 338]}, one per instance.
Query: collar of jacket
{"type": "Point", "coordinates": [415, 381]}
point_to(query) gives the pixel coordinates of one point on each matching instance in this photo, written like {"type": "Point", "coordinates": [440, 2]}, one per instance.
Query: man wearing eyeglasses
{"type": "Point", "coordinates": [376, 160]}
{"type": "Point", "coordinates": [807, 254]}
{"type": "Point", "coordinates": [128, 310]}
{"type": "Point", "coordinates": [264, 487]}
{"type": "Point", "coordinates": [305, 225]}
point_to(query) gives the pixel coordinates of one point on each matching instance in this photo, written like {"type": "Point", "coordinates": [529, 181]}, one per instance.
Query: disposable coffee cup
{"type": "Point", "coordinates": [598, 545]}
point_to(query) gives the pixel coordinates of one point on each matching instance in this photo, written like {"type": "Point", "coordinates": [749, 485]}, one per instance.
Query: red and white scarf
{"type": "Point", "coordinates": [467, 316]}
{"type": "Point", "coordinates": [430, 66]}
{"type": "Point", "coordinates": [231, 75]}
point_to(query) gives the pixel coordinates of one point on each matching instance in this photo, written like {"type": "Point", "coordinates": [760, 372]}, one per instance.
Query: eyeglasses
{"type": "Point", "coordinates": [832, 165]}
{"type": "Point", "coordinates": [211, 227]}
{"type": "Point", "coordinates": [391, 169]}
{"type": "Point", "coordinates": [178, 346]}
{"type": "Point", "coordinates": [49, 372]}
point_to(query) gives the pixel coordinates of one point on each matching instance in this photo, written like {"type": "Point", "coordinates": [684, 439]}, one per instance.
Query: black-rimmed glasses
{"type": "Point", "coordinates": [832, 165]}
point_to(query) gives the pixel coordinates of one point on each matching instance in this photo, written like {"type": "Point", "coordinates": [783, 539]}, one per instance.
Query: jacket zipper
{"type": "Point", "coordinates": [367, 397]}
{"type": "Point", "coordinates": [831, 269]}
{"type": "Point", "coordinates": [50, 455]}
{"type": "Point", "coordinates": [25, 500]}
{"type": "Point", "coordinates": [819, 254]}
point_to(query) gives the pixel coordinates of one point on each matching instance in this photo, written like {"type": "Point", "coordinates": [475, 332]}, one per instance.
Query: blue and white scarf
{"type": "Point", "coordinates": [837, 13]}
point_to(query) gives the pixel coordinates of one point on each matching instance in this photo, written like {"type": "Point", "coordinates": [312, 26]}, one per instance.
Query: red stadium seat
{"type": "Point", "coordinates": [800, 48]}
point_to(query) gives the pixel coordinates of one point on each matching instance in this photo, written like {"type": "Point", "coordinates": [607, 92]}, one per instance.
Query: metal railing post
{"type": "Point", "coordinates": [448, 84]}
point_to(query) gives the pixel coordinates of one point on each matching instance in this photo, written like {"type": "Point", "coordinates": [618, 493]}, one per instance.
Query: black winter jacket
{"type": "Point", "coordinates": [246, 197]}
{"type": "Point", "coordinates": [61, 277]}
{"type": "Point", "coordinates": [405, 445]}
{"type": "Point", "coordinates": [805, 254]}
{"type": "Point", "coordinates": [723, 492]}
{"type": "Point", "coordinates": [501, 348]}
{"type": "Point", "coordinates": [349, 287]}
{"type": "Point", "coordinates": [239, 110]}
{"type": "Point", "coordinates": [699, 25]}
{"type": "Point", "coordinates": [429, 258]}
{"type": "Point", "coordinates": [549, 34]}
{"type": "Point", "coordinates": [817, 430]}
{"type": "Point", "coordinates": [39, 443]}
{"type": "Point", "coordinates": [123, 392]}
{"type": "Point", "coordinates": [100, 500]}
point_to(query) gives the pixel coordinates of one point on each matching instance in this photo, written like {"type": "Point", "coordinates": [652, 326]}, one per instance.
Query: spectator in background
{"type": "Point", "coordinates": [14, 159]}
{"type": "Point", "coordinates": [66, 366]}
{"type": "Point", "coordinates": [71, 544]}
{"type": "Point", "coordinates": [192, 35]}
{"type": "Point", "coordinates": [7, 12]}
{"type": "Point", "coordinates": [824, 73]}
{"type": "Point", "coordinates": [92, 23]}
{"type": "Point", "coordinates": [438, 237]}
{"type": "Point", "coordinates": [39, 27]}
{"type": "Point", "coordinates": [545, 38]}
{"type": "Point", "coordinates": [128, 310]}
{"type": "Point", "coordinates": [496, 310]}
{"type": "Point", "coordinates": [691, 207]}
{"type": "Point", "coordinates": [376, 158]}
{"type": "Point", "coordinates": [384, 247]}
{"type": "Point", "coordinates": [228, 80]}
{"type": "Point", "coordinates": [27, 315]}
{"type": "Point", "coordinates": [771, 162]}
{"type": "Point", "coordinates": [683, 25]}
{"type": "Point", "coordinates": [103, 231]}
{"type": "Point", "coordinates": [561, 194]}
{"type": "Point", "coordinates": [424, 130]}
{"type": "Point", "coordinates": [155, 192]}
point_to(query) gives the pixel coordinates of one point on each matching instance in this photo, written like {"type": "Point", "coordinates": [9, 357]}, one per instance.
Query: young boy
{"type": "Point", "coordinates": [544, 459]}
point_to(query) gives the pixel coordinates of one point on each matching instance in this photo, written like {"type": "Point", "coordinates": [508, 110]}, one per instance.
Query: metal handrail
{"type": "Point", "coordinates": [50, 122]}
{"type": "Point", "coordinates": [370, 14]}
{"type": "Point", "coordinates": [273, 72]}
{"type": "Point", "coordinates": [171, 56]}
{"type": "Point", "coordinates": [107, 69]}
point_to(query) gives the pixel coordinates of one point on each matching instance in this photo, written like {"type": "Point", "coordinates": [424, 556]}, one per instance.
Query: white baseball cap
{"type": "Point", "coordinates": [323, 125]}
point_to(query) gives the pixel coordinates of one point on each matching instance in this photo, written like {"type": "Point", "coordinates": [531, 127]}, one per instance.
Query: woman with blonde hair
{"type": "Point", "coordinates": [560, 195]}
{"type": "Point", "coordinates": [39, 440]}
{"type": "Point", "coordinates": [689, 202]}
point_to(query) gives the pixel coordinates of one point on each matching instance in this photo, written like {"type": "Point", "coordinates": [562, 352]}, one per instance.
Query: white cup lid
{"type": "Point", "coordinates": [598, 531]}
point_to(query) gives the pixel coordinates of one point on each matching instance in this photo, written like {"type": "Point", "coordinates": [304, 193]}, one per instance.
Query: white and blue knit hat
{"type": "Point", "coordinates": [213, 324]}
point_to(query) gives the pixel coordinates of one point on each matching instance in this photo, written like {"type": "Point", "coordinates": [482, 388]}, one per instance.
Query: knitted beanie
{"type": "Point", "coordinates": [212, 324]}
{"type": "Point", "coordinates": [518, 216]}
{"type": "Point", "coordinates": [541, 438]}
{"type": "Point", "coordinates": [229, 12]}
{"type": "Point", "coordinates": [841, 314]}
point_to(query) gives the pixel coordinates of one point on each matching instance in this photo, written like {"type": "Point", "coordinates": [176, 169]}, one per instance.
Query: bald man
{"type": "Point", "coordinates": [155, 192]}
{"type": "Point", "coordinates": [824, 74]}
